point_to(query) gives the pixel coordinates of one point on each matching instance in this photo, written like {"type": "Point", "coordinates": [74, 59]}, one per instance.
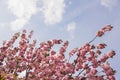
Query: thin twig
{"type": "Point", "coordinates": [80, 72]}
{"type": "Point", "coordinates": [93, 39]}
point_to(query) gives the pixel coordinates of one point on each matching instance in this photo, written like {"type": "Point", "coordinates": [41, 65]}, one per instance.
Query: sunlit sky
{"type": "Point", "coordinates": [74, 20]}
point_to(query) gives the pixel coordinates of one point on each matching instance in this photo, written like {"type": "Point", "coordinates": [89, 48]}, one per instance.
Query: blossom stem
{"type": "Point", "coordinates": [80, 72]}
{"type": "Point", "coordinates": [93, 39]}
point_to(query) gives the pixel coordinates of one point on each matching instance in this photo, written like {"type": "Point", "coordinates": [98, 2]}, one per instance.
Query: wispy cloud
{"type": "Point", "coordinates": [108, 3]}
{"type": "Point", "coordinates": [2, 25]}
{"type": "Point", "coordinates": [23, 10]}
{"type": "Point", "coordinates": [71, 28]}
{"type": "Point", "coordinates": [18, 23]}
{"type": "Point", "coordinates": [53, 11]}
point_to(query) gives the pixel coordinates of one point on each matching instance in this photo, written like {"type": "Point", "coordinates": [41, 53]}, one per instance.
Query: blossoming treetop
{"type": "Point", "coordinates": [44, 63]}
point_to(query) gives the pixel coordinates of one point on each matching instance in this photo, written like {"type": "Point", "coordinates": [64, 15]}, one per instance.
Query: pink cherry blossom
{"type": "Point", "coordinates": [44, 63]}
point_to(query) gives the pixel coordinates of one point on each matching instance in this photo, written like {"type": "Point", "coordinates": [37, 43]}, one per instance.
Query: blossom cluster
{"type": "Point", "coordinates": [44, 63]}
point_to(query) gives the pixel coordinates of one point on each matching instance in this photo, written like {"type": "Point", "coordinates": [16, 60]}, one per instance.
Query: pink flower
{"type": "Point", "coordinates": [104, 58]}
{"type": "Point", "coordinates": [30, 35]}
{"type": "Point", "coordinates": [55, 41]}
{"type": "Point", "coordinates": [72, 52]}
{"type": "Point", "coordinates": [101, 46]}
{"type": "Point", "coordinates": [45, 63]}
{"type": "Point", "coordinates": [107, 28]}
{"type": "Point", "coordinates": [111, 77]}
{"type": "Point", "coordinates": [94, 71]}
{"type": "Point", "coordinates": [111, 54]}
{"type": "Point", "coordinates": [98, 52]}
{"type": "Point", "coordinates": [100, 33]}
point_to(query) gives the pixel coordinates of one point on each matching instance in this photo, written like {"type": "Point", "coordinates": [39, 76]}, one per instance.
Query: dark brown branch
{"type": "Point", "coordinates": [93, 39]}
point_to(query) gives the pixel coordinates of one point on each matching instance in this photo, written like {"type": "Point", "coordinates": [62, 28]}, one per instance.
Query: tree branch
{"type": "Point", "coordinates": [93, 39]}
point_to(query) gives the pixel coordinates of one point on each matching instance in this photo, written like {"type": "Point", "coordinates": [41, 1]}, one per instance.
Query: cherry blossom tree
{"type": "Point", "coordinates": [44, 63]}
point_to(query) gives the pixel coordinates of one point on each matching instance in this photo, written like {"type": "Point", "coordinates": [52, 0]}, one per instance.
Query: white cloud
{"type": "Point", "coordinates": [71, 29]}
{"type": "Point", "coordinates": [2, 25]}
{"type": "Point", "coordinates": [71, 26]}
{"type": "Point", "coordinates": [53, 11]}
{"type": "Point", "coordinates": [108, 3]}
{"type": "Point", "coordinates": [18, 24]}
{"type": "Point", "coordinates": [23, 10]}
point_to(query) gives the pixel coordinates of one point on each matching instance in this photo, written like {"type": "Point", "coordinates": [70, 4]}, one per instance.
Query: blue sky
{"type": "Point", "coordinates": [73, 20]}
